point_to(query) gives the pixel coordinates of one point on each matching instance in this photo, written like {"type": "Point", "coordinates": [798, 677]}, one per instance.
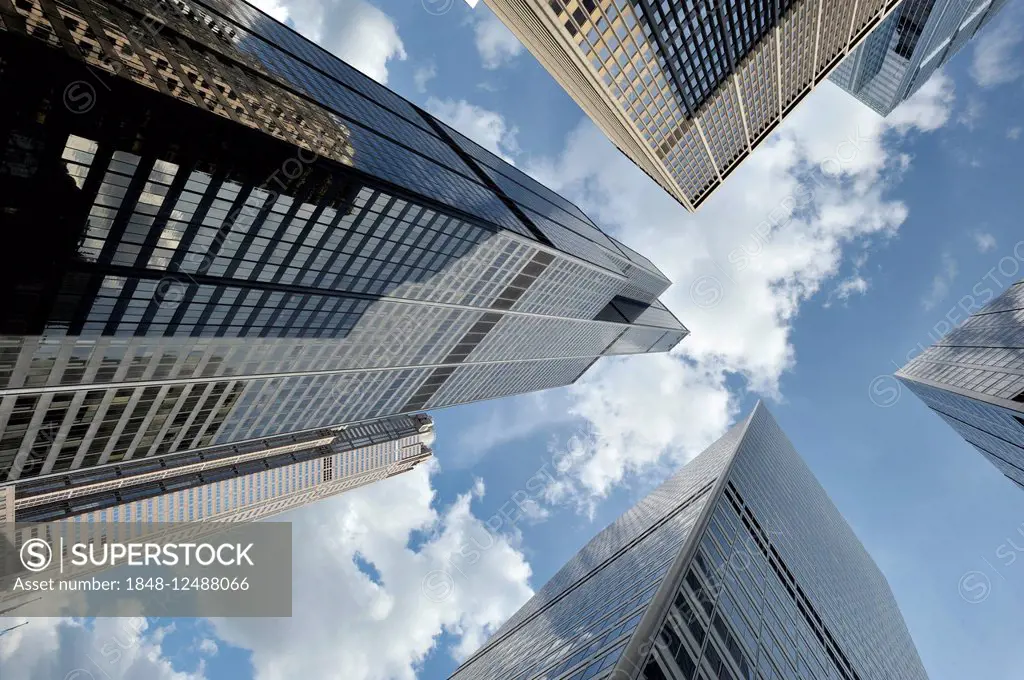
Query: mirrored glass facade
{"type": "Point", "coordinates": [227, 234]}
{"type": "Point", "coordinates": [974, 379]}
{"type": "Point", "coordinates": [910, 45]}
{"type": "Point", "coordinates": [687, 88]}
{"type": "Point", "coordinates": [739, 566]}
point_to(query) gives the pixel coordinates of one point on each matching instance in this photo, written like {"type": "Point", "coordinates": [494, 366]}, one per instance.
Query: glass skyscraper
{"type": "Point", "coordinates": [739, 566]}
{"type": "Point", "coordinates": [688, 88]}
{"type": "Point", "coordinates": [974, 379]}
{"type": "Point", "coordinates": [910, 45]}
{"type": "Point", "coordinates": [225, 234]}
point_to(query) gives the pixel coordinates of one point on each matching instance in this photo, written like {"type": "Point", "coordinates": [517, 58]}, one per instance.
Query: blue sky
{"type": "Point", "coordinates": [811, 311]}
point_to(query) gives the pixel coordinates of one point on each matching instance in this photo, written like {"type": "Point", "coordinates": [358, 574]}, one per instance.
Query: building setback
{"type": "Point", "coordinates": [909, 46]}
{"type": "Point", "coordinates": [974, 379]}
{"type": "Point", "coordinates": [739, 565]}
{"type": "Point", "coordinates": [225, 234]}
{"type": "Point", "coordinates": [688, 88]}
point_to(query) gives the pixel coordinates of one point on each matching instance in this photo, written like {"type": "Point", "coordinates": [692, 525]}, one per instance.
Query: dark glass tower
{"type": "Point", "coordinates": [219, 233]}
{"type": "Point", "coordinates": [739, 566]}
{"type": "Point", "coordinates": [908, 47]}
{"type": "Point", "coordinates": [974, 379]}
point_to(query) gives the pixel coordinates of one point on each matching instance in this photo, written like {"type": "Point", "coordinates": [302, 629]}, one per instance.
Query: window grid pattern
{"type": "Point", "coordinates": [984, 357]}
{"type": "Point", "coordinates": [69, 430]}
{"type": "Point", "coordinates": [778, 587]}
{"type": "Point", "coordinates": [359, 144]}
{"type": "Point", "coordinates": [567, 288]}
{"type": "Point", "coordinates": [997, 432]}
{"type": "Point", "coordinates": [722, 122]}
{"type": "Point", "coordinates": [513, 173]}
{"type": "Point", "coordinates": [276, 33]}
{"type": "Point", "coordinates": [616, 572]}
{"type": "Point", "coordinates": [571, 635]}
{"type": "Point", "coordinates": [690, 164]}
{"type": "Point", "coordinates": [849, 595]}
{"type": "Point", "coordinates": [759, 86]}
{"type": "Point", "coordinates": [636, 340]}
{"type": "Point", "coordinates": [834, 32]}
{"type": "Point", "coordinates": [797, 32]}
{"type": "Point", "coordinates": [733, 615]}
{"type": "Point", "coordinates": [667, 64]}
{"type": "Point", "coordinates": [524, 337]}
{"type": "Point", "coordinates": [985, 354]}
{"type": "Point", "coordinates": [475, 382]}
{"type": "Point", "coordinates": [617, 42]}
{"type": "Point", "coordinates": [908, 47]}
{"type": "Point", "coordinates": [253, 487]}
{"type": "Point", "coordinates": [271, 406]}
{"type": "Point", "coordinates": [273, 292]}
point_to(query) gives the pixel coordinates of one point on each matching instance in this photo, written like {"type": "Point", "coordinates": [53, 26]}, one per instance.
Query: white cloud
{"type": "Point", "coordinates": [971, 113]}
{"type": "Point", "coordinates": [1014, 133]}
{"type": "Point", "coordinates": [984, 241]}
{"type": "Point", "coordinates": [847, 288]}
{"type": "Point", "coordinates": [635, 410]}
{"type": "Point", "coordinates": [940, 283]}
{"type": "Point", "coordinates": [74, 648]}
{"type": "Point", "coordinates": [486, 128]}
{"type": "Point", "coordinates": [769, 240]}
{"type": "Point", "coordinates": [354, 30]}
{"type": "Point", "coordinates": [496, 44]}
{"type": "Point", "coordinates": [996, 57]}
{"type": "Point", "coordinates": [928, 109]}
{"type": "Point", "coordinates": [440, 570]}
{"type": "Point", "coordinates": [423, 75]}
{"type": "Point", "coordinates": [495, 424]}
{"type": "Point", "coordinates": [208, 647]}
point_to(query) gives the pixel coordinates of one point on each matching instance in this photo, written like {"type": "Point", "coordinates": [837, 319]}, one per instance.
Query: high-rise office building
{"type": "Point", "coordinates": [687, 88]}
{"type": "Point", "coordinates": [739, 566]}
{"type": "Point", "coordinates": [908, 47]}
{"type": "Point", "coordinates": [230, 483]}
{"type": "Point", "coordinates": [225, 234]}
{"type": "Point", "coordinates": [183, 497]}
{"type": "Point", "coordinates": [974, 379]}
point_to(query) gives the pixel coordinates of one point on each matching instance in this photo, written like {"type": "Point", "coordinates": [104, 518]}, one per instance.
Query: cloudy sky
{"type": "Point", "coordinates": [895, 223]}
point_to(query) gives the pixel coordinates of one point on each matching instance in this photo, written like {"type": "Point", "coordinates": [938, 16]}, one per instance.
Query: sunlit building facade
{"type": "Point", "coordinates": [688, 88]}
{"type": "Point", "coordinates": [231, 483]}
{"type": "Point", "coordinates": [973, 378]}
{"type": "Point", "coordinates": [226, 234]}
{"type": "Point", "coordinates": [739, 566]}
{"type": "Point", "coordinates": [909, 46]}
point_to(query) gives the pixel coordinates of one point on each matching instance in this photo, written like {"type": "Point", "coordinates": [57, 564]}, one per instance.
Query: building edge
{"type": "Point", "coordinates": [631, 663]}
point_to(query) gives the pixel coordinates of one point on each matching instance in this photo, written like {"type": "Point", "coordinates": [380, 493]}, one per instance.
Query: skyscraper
{"type": "Point", "coordinates": [225, 234]}
{"type": "Point", "coordinates": [187, 496]}
{"type": "Point", "coordinates": [739, 565]}
{"type": "Point", "coordinates": [234, 482]}
{"type": "Point", "coordinates": [687, 88]}
{"type": "Point", "coordinates": [909, 46]}
{"type": "Point", "coordinates": [974, 379]}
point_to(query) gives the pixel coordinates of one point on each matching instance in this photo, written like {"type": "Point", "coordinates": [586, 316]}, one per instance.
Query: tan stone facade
{"type": "Point", "coordinates": [617, 65]}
